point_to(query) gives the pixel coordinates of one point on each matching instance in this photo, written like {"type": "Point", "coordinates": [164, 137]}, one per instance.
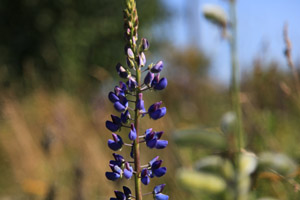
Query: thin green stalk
{"type": "Point", "coordinates": [235, 86]}
{"type": "Point", "coordinates": [138, 189]}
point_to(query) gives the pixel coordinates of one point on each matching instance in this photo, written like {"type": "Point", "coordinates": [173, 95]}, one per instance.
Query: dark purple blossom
{"type": "Point", "coordinates": [126, 195]}
{"type": "Point", "coordinates": [153, 170]}
{"type": "Point", "coordinates": [115, 124]}
{"type": "Point", "coordinates": [125, 116]}
{"type": "Point", "coordinates": [140, 103]}
{"type": "Point", "coordinates": [159, 84]}
{"type": "Point", "coordinates": [128, 171]}
{"type": "Point", "coordinates": [116, 143]}
{"type": "Point", "coordinates": [157, 67]}
{"type": "Point", "coordinates": [131, 83]}
{"type": "Point", "coordinates": [119, 168]}
{"type": "Point", "coordinates": [153, 139]}
{"type": "Point", "coordinates": [162, 84]}
{"type": "Point", "coordinates": [113, 97]}
{"type": "Point", "coordinates": [145, 176]}
{"type": "Point", "coordinates": [122, 104]}
{"type": "Point", "coordinates": [157, 195]}
{"type": "Point", "coordinates": [115, 174]}
{"type": "Point", "coordinates": [156, 169]}
{"type": "Point", "coordinates": [121, 71]}
{"type": "Point", "coordinates": [149, 78]}
{"type": "Point", "coordinates": [132, 133]}
{"type": "Point", "coordinates": [155, 112]}
{"type": "Point", "coordinates": [145, 44]}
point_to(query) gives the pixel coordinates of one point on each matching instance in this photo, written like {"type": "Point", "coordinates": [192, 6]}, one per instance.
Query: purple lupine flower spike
{"type": "Point", "coordinates": [157, 67]}
{"type": "Point", "coordinates": [132, 93]}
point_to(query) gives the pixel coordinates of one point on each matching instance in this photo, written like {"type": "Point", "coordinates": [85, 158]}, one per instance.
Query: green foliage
{"type": "Point", "coordinates": [63, 42]}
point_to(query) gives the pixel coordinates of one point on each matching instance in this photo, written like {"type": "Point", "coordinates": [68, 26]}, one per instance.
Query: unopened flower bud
{"type": "Point", "coordinates": [157, 67]}
{"type": "Point", "coordinates": [145, 44]}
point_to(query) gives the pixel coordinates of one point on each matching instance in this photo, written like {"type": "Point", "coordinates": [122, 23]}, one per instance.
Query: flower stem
{"type": "Point", "coordinates": [138, 189]}
{"type": "Point", "coordinates": [235, 85]}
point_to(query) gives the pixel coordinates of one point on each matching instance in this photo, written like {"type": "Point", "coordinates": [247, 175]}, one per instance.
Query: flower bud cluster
{"type": "Point", "coordinates": [127, 100]}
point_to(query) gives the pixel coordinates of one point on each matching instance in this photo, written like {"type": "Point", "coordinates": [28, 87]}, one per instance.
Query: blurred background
{"type": "Point", "coordinates": [57, 65]}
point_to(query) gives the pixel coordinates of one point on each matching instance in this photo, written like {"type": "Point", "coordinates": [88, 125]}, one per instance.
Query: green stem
{"type": "Point", "coordinates": [235, 85]}
{"type": "Point", "coordinates": [138, 189]}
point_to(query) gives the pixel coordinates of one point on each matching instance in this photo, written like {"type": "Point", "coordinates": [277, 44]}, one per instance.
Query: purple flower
{"type": "Point", "coordinates": [121, 71]}
{"type": "Point", "coordinates": [159, 84]}
{"type": "Point", "coordinates": [116, 143]}
{"type": "Point", "coordinates": [153, 139]}
{"type": "Point", "coordinates": [157, 67]}
{"type": "Point", "coordinates": [145, 44]}
{"type": "Point", "coordinates": [131, 83]}
{"type": "Point", "coordinates": [157, 195]}
{"type": "Point", "coordinates": [121, 89]}
{"type": "Point", "coordinates": [156, 169]}
{"type": "Point", "coordinates": [162, 84]}
{"type": "Point", "coordinates": [115, 174]}
{"type": "Point", "coordinates": [113, 97]}
{"type": "Point", "coordinates": [128, 171]}
{"type": "Point", "coordinates": [125, 116]}
{"type": "Point", "coordinates": [145, 176]}
{"type": "Point", "coordinates": [113, 125]}
{"type": "Point", "coordinates": [155, 112]}
{"type": "Point", "coordinates": [119, 160]}
{"type": "Point", "coordinates": [122, 104]}
{"type": "Point", "coordinates": [132, 133]}
{"type": "Point", "coordinates": [122, 196]}
{"type": "Point", "coordinates": [149, 78]}
{"type": "Point", "coordinates": [140, 103]}
{"type": "Point", "coordinates": [153, 170]}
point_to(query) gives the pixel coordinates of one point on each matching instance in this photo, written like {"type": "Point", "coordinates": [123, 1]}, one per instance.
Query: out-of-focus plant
{"type": "Point", "coordinates": [127, 99]}
{"type": "Point", "coordinates": [230, 172]}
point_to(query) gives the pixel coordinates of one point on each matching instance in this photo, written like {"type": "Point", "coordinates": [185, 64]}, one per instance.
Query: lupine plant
{"type": "Point", "coordinates": [231, 171]}
{"type": "Point", "coordinates": [127, 99]}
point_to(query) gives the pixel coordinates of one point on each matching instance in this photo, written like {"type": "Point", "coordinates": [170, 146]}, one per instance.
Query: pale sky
{"type": "Point", "coordinates": [260, 25]}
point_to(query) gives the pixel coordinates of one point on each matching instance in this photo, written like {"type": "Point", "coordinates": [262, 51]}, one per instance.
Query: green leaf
{"type": "Point", "coordinates": [200, 137]}
{"type": "Point", "coordinates": [278, 162]}
{"type": "Point", "coordinates": [193, 180]}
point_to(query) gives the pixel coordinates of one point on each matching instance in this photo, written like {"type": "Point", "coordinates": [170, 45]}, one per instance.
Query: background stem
{"type": "Point", "coordinates": [235, 85]}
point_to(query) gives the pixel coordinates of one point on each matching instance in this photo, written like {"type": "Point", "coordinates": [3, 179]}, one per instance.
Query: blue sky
{"type": "Point", "coordinates": [260, 24]}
